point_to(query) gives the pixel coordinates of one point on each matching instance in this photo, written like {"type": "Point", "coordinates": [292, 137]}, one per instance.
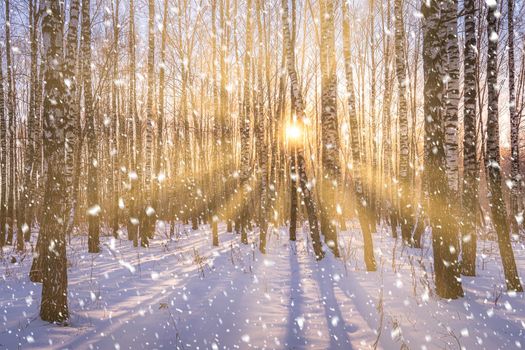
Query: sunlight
{"type": "Point", "coordinates": [293, 132]}
{"type": "Point", "coordinates": [226, 166]}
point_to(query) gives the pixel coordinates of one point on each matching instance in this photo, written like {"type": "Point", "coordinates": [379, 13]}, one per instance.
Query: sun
{"type": "Point", "coordinates": [293, 132]}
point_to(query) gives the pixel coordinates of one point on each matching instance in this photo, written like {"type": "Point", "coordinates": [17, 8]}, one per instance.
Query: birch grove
{"type": "Point", "coordinates": [396, 120]}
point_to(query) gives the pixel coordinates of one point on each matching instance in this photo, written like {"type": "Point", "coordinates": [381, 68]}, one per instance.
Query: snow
{"type": "Point", "coordinates": [184, 293]}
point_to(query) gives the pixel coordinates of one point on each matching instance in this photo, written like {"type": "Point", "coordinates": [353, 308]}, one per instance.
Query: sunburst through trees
{"type": "Point", "coordinates": [340, 125]}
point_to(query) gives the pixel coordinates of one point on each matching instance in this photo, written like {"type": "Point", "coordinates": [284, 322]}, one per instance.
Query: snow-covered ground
{"type": "Point", "coordinates": [182, 293]}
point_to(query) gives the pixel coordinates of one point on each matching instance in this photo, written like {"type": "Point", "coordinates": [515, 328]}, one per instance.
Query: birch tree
{"type": "Point", "coordinates": [493, 158]}
{"type": "Point", "coordinates": [299, 109]}
{"type": "Point", "coordinates": [31, 165]}
{"type": "Point", "coordinates": [444, 241]}
{"type": "Point", "coordinates": [135, 129]}
{"type": "Point", "coordinates": [330, 126]}
{"type": "Point", "coordinates": [245, 116]}
{"type": "Point", "coordinates": [515, 176]}
{"type": "Point", "coordinates": [115, 127]}
{"type": "Point", "coordinates": [71, 106]}
{"type": "Point", "coordinates": [93, 204]}
{"type": "Point", "coordinates": [226, 129]}
{"type": "Point", "coordinates": [11, 210]}
{"type": "Point", "coordinates": [148, 221]}
{"type": "Point", "coordinates": [357, 161]}
{"type": "Point", "coordinates": [470, 162]}
{"type": "Point", "coordinates": [390, 205]}
{"type": "Point", "coordinates": [405, 193]}
{"type": "Point", "coordinates": [54, 307]}
{"type": "Point", "coordinates": [450, 15]}
{"type": "Point", "coordinates": [159, 171]}
{"type": "Point", "coordinates": [3, 155]}
{"type": "Point", "coordinates": [261, 136]}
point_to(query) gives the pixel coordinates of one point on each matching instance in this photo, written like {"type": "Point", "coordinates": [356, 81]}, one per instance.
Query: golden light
{"type": "Point", "coordinates": [293, 132]}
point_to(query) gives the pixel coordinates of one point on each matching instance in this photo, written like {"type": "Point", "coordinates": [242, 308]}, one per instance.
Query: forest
{"type": "Point", "coordinates": [268, 174]}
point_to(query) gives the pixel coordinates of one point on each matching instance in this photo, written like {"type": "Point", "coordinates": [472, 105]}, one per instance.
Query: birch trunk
{"type": "Point", "coordinates": [159, 166]}
{"type": "Point", "coordinates": [390, 207]}
{"type": "Point", "coordinates": [401, 73]}
{"type": "Point", "coordinates": [245, 127]}
{"type": "Point", "coordinates": [71, 106]}
{"type": "Point", "coordinates": [3, 156]}
{"type": "Point", "coordinates": [54, 306]}
{"type": "Point", "coordinates": [135, 146]}
{"type": "Point", "coordinates": [497, 203]}
{"type": "Point", "coordinates": [444, 241]}
{"type": "Point", "coordinates": [470, 143]}
{"type": "Point", "coordinates": [515, 176]}
{"type": "Point", "coordinates": [115, 125]}
{"type": "Point", "coordinates": [217, 145]}
{"type": "Point", "coordinates": [299, 109]}
{"type": "Point", "coordinates": [32, 133]}
{"type": "Point", "coordinates": [451, 59]}
{"type": "Point", "coordinates": [261, 137]}
{"type": "Point", "coordinates": [329, 127]}
{"type": "Point", "coordinates": [91, 134]}
{"type": "Point", "coordinates": [373, 124]}
{"type": "Point", "coordinates": [148, 214]}
{"type": "Point", "coordinates": [12, 128]}
{"type": "Point", "coordinates": [226, 129]}
{"type": "Point", "coordinates": [357, 161]}
{"type": "Point", "coordinates": [452, 94]}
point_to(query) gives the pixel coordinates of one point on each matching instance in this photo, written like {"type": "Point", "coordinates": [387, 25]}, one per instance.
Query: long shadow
{"type": "Point", "coordinates": [359, 297]}
{"type": "Point", "coordinates": [168, 319]}
{"type": "Point", "coordinates": [294, 329]}
{"type": "Point", "coordinates": [337, 326]}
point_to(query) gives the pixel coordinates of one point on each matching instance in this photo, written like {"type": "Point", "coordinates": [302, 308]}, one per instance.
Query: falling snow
{"type": "Point", "coordinates": [233, 297]}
